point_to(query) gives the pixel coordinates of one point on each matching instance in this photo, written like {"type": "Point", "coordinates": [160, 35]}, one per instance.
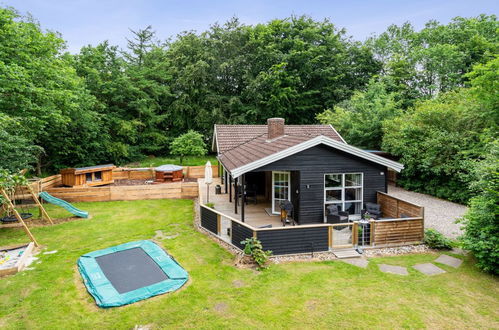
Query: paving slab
{"type": "Point", "coordinates": [429, 269]}
{"type": "Point", "coordinates": [459, 251]}
{"type": "Point", "coordinates": [393, 269]}
{"type": "Point", "coordinates": [449, 261]}
{"type": "Point", "coordinates": [359, 262]}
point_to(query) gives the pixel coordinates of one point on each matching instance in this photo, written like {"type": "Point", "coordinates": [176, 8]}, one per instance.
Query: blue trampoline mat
{"type": "Point", "coordinates": [130, 272]}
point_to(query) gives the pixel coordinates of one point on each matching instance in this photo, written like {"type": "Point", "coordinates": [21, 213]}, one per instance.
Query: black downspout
{"type": "Point", "coordinates": [230, 188]}
{"type": "Point", "coordinates": [225, 181]}
{"type": "Point", "coordinates": [236, 196]}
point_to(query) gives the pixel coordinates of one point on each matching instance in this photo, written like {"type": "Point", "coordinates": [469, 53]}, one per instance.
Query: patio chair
{"type": "Point", "coordinates": [251, 191]}
{"type": "Point", "coordinates": [373, 209]}
{"type": "Point", "coordinates": [334, 215]}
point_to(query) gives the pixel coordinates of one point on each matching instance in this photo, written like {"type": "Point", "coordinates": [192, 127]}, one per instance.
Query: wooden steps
{"type": "Point", "coordinates": [346, 253]}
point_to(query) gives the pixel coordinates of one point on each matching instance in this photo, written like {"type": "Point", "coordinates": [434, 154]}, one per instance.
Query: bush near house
{"type": "Point", "coordinates": [481, 224]}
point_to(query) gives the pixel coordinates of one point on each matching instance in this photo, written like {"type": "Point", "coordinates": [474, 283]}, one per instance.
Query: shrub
{"type": "Point", "coordinates": [436, 240]}
{"type": "Point", "coordinates": [253, 247]}
{"type": "Point", "coordinates": [481, 225]}
{"type": "Point", "coordinates": [210, 205]}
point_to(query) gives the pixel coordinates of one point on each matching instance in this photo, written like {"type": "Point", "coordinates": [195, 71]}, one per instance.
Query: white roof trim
{"type": "Point", "coordinates": [214, 139]}
{"type": "Point", "coordinates": [312, 143]}
{"type": "Point", "coordinates": [334, 129]}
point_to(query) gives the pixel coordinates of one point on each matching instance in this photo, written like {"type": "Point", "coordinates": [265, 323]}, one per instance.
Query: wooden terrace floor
{"type": "Point", "coordinates": [255, 214]}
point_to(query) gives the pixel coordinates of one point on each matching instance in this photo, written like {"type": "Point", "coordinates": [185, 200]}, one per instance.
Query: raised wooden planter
{"type": "Point", "coordinates": [126, 193]}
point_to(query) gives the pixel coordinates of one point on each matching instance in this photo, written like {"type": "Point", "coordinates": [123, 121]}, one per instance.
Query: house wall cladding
{"type": "Point", "coordinates": [296, 240]}
{"type": "Point", "coordinates": [240, 233]}
{"type": "Point", "coordinates": [209, 220]}
{"type": "Point", "coordinates": [313, 163]}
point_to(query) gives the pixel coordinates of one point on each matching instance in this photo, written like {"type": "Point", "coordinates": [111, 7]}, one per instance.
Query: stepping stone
{"type": "Point", "coordinates": [429, 269]}
{"type": "Point", "coordinates": [449, 261]}
{"type": "Point", "coordinates": [359, 262]}
{"type": "Point", "coordinates": [348, 253]}
{"type": "Point", "coordinates": [459, 251]}
{"type": "Point", "coordinates": [393, 269]}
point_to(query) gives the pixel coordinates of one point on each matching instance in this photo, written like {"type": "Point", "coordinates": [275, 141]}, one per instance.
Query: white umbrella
{"type": "Point", "coordinates": [208, 179]}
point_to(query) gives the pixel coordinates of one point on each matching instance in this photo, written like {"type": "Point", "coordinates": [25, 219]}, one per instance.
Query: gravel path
{"type": "Point", "coordinates": [439, 214]}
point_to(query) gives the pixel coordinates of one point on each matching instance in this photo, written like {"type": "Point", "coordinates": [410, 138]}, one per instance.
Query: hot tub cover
{"type": "Point", "coordinates": [168, 168]}
{"type": "Point", "coordinates": [133, 260]}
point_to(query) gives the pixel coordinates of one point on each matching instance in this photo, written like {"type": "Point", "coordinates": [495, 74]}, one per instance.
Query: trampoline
{"type": "Point", "coordinates": [130, 272]}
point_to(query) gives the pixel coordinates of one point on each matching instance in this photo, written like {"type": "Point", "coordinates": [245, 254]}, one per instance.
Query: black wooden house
{"type": "Point", "coordinates": [309, 165]}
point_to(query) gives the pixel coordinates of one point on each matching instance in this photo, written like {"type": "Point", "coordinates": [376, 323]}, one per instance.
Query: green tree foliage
{"type": "Point", "coordinates": [434, 60]}
{"type": "Point", "coordinates": [293, 68]}
{"type": "Point", "coordinates": [481, 225]}
{"type": "Point", "coordinates": [40, 91]}
{"type": "Point", "coordinates": [440, 140]}
{"type": "Point", "coordinates": [17, 152]}
{"type": "Point", "coordinates": [188, 144]}
{"type": "Point", "coordinates": [359, 120]}
{"type": "Point", "coordinates": [437, 142]}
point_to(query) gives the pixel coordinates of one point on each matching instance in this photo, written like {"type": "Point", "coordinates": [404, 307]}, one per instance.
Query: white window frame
{"type": "Point", "coordinates": [342, 189]}
{"type": "Point", "coordinates": [273, 189]}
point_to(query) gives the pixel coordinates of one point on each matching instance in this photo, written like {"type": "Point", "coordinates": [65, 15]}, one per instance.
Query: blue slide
{"type": "Point", "coordinates": [62, 203]}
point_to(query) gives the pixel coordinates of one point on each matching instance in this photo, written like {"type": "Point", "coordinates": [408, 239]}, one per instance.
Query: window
{"type": "Point", "coordinates": [344, 190]}
{"type": "Point", "coordinates": [98, 176]}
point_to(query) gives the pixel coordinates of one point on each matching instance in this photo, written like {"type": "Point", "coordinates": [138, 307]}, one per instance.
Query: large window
{"type": "Point", "coordinates": [344, 190]}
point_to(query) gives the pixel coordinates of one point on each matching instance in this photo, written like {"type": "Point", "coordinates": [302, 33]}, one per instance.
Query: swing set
{"type": "Point", "coordinates": [19, 189]}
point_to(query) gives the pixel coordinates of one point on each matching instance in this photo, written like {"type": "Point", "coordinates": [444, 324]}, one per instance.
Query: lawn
{"type": "Point", "coordinates": [187, 161]}
{"type": "Point", "coordinates": [293, 295]}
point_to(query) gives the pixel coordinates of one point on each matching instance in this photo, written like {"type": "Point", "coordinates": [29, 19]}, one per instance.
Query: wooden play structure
{"type": "Point", "coordinates": [11, 217]}
{"type": "Point", "coordinates": [90, 176]}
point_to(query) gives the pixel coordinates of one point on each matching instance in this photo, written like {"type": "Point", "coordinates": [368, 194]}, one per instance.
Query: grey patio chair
{"type": "Point", "coordinates": [373, 209]}
{"type": "Point", "coordinates": [334, 215]}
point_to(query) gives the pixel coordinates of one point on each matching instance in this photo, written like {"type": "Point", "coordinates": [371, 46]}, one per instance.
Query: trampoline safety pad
{"type": "Point", "coordinates": [130, 272]}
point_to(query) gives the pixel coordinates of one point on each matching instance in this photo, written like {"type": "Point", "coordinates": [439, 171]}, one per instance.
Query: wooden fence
{"type": "Point", "coordinates": [407, 228]}
{"type": "Point", "coordinates": [126, 193]}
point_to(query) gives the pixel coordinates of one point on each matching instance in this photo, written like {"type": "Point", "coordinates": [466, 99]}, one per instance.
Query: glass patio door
{"type": "Point", "coordinates": [280, 189]}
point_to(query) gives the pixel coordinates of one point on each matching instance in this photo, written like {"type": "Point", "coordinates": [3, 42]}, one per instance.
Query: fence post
{"type": "Point", "coordinates": [330, 237]}
{"type": "Point", "coordinates": [371, 238]}
{"type": "Point", "coordinates": [219, 224]}
{"type": "Point", "coordinates": [355, 233]}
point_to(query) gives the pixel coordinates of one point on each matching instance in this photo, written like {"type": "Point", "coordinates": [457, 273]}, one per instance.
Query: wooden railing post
{"type": "Point", "coordinates": [355, 233]}
{"type": "Point", "coordinates": [372, 226]}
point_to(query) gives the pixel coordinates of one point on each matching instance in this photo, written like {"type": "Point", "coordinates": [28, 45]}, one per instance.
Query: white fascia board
{"type": "Point", "coordinates": [312, 143]}
{"type": "Point", "coordinates": [334, 129]}
{"type": "Point", "coordinates": [214, 141]}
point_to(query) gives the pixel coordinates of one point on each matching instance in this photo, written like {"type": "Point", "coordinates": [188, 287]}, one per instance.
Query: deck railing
{"type": "Point", "coordinates": [408, 228]}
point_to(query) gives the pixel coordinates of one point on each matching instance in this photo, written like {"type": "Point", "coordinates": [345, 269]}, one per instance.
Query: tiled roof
{"type": "Point", "coordinates": [231, 136]}
{"type": "Point", "coordinates": [258, 148]}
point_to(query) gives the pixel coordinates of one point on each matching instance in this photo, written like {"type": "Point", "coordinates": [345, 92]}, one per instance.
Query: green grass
{"type": "Point", "coordinates": [329, 294]}
{"type": "Point", "coordinates": [187, 161]}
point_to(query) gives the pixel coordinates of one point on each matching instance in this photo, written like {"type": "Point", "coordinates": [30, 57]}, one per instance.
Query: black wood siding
{"type": "Point", "coordinates": [240, 233]}
{"type": "Point", "coordinates": [296, 240]}
{"type": "Point", "coordinates": [313, 163]}
{"type": "Point", "coordinates": [209, 220]}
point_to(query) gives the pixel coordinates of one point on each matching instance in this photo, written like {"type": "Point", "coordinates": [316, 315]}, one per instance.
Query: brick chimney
{"type": "Point", "coordinates": [275, 127]}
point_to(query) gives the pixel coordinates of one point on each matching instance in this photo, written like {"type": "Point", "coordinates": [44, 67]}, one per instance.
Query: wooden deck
{"type": "Point", "coordinates": [255, 214]}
